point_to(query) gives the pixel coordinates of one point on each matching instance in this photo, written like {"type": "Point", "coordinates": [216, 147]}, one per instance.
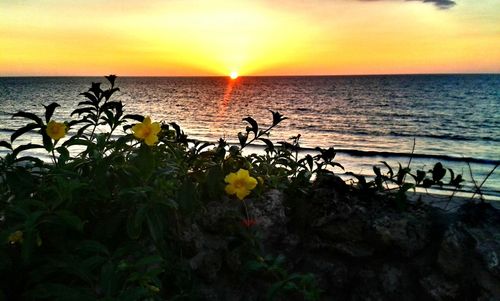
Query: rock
{"type": "Point", "coordinates": [366, 286]}
{"type": "Point", "coordinates": [219, 214]}
{"type": "Point", "coordinates": [332, 275]}
{"type": "Point", "coordinates": [269, 215]}
{"type": "Point", "coordinates": [454, 254]}
{"type": "Point", "coordinates": [340, 229]}
{"type": "Point", "coordinates": [207, 264]}
{"type": "Point", "coordinates": [407, 231]}
{"type": "Point", "coordinates": [355, 250]}
{"type": "Point", "coordinates": [487, 248]}
{"type": "Point", "coordinates": [480, 214]}
{"type": "Point", "coordinates": [439, 289]}
{"type": "Point", "coordinates": [391, 279]}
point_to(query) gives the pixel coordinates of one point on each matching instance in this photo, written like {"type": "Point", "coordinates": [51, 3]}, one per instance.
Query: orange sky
{"type": "Point", "coordinates": [256, 37]}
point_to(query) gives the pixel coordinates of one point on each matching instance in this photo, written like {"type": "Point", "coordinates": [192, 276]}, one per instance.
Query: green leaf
{"type": "Point", "coordinates": [24, 147]}
{"type": "Point", "coordinates": [35, 160]}
{"type": "Point", "coordinates": [28, 115]}
{"type": "Point", "coordinates": [135, 221]}
{"type": "Point", "coordinates": [391, 173]}
{"type": "Point", "coordinates": [438, 172]}
{"type": "Point", "coordinates": [276, 289]}
{"type": "Point", "coordinates": [47, 141]}
{"type": "Point", "coordinates": [80, 111]}
{"type": "Point", "coordinates": [452, 175]}
{"type": "Point", "coordinates": [310, 161]}
{"type": "Point", "coordinates": [93, 247]}
{"type": "Point", "coordinates": [269, 144]}
{"type": "Point", "coordinates": [333, 164]}
{"type": "Point", "coordinates": [86, 103]}
{"type": "Point", "coordinates": [23, 130]}
{"type": "Point", "coordinates": [112, 105]}
{"type": "Point", "coordinates": [134, 294]}
{"type": "Point", "coordinates": [187, 197]}
{"type": "Point", "coordinates": [401, 174]}
{"type": "Point", "coordinates": [108, 93]}
{"type": "Point", "coordinates": [420, 176]}
{"type": "Point", "coordinates": [277, 117]}
{"type": "Point", "coordinates": [91, 97]}
{"type": "Point", "coordinates": [82, 129]}
{"type": "Point", "coordinates": [242, 138]}
{"type": "Point", "coordinates": [5, 144]}
{"type": "Point", "coordinates": [49, 111]}
{"type": "Point", "coordinates": [456, 181]}
{"type": "Point", "coordinates": [135, 117]}
{"type": "Point", "coordinates": [155, 225]}
{"type": "Point", "coordinates": [109, 279]}
{"type": "Point", "coordinates": [427, 183]}
{"type": "Point", "coordinates": [111, 78]}
{"type": "Point", "coordinates": [149, 261]}
{"type": "Point", "coordinates": [64, 154]}
{"type": "Point", "coordinates": [407, 186]}
{"type": "Point", "coordinates": [70, 219]}
{"type": "Point", "coordinates": [254, 127]}
{"type": "Point", "coordinates": [77, 141]}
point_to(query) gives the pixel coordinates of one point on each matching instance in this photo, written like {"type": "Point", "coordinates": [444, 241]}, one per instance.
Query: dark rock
{"type": "Point", "coordinates": [207, 264]}
{"type": "Point", "coordinates": [352, 249]}
{"type": "Point", "coordinates": [439, 289]}
{"type": "Point", "coordinates": [356, 249]}
{"type": "Point", "coordinates": [269, 215]}
{"type": "Point", "coordinates": [479, 214]}
{"type": "Point", "coordinates": [454, 255]}
{"type": "Point", "coordinates": [332, 275]}
{"type": "Point", "coordinates": [487, 248]}
{"type": "Point", "coordinates": [391, 278]}
{"type": "Point", "coordinates": [407, 231]}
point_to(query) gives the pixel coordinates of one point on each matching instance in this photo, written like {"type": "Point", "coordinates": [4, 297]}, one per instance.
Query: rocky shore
{"type": "Point", "coordinates": [357, 248]}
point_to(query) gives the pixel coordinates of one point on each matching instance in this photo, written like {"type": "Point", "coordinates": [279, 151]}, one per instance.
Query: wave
{"type": "Point", "coordinates": [399, 134]}
{"type": "Point", "coordinates": [365, 153]}
{"type": "Point", "coordinates": [3, 130]}
{"type": "Point", "coordinates": [445, 136]}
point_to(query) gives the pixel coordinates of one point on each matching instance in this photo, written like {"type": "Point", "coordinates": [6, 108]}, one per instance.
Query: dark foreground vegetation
{"type": "Point", "coordinates": [152, 215]}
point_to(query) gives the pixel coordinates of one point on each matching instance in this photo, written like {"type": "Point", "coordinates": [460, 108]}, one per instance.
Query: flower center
{"type": "Point", "coordinates": [239, 183]}
{"type": "Point", "coordinates": [147, 131]}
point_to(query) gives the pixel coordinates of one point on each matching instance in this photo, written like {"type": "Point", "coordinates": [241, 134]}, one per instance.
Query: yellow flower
{"type": "Point", "coordinates": [147, 131]}
{"type": "Point", "coordinates": [240, 183]}
{"type": "Point", "coordinates": [16, 237]}
{"type": "Point", "coordinates": [56, 130]}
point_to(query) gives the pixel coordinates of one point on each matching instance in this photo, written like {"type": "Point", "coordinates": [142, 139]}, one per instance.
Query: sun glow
{"type": "Point", "coordinates": [286, 37]}
{"type": "Point", "coordinates": [233, 75]}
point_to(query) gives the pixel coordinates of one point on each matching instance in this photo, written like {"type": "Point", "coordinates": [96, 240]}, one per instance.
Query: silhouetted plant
{"type": "Point", "coordinates": [104, 219]}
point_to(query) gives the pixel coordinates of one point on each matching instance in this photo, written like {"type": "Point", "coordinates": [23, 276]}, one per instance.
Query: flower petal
{"type": "Point", "coordinates": [250, 183]}
{"type": "Point", "coordinates": [230, 189]}
{"type": "Point", "coordinates": [242, 193]}
{"type": "Point", "coordinates": [138, 130]}
{"type": "Point", "coordinates": [155, 128]}
{"type": "Point", "coordinates": [230, 178]}
{"type": "Point", "coordinates": [243, 173]}
{"type": "Point", "coordinates": [151, 139]}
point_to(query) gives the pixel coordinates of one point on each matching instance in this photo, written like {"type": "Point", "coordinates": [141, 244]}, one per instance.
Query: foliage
{"type": "Point", "coordinates": [104, 219]}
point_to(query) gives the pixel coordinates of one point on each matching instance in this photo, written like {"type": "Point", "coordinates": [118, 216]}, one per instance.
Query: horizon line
{"type": "Point", "coordinates": [273, 75]}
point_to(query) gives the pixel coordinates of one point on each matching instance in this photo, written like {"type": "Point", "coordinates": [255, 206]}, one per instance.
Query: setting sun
{"type": "Point", "coordinates": [233, 75]}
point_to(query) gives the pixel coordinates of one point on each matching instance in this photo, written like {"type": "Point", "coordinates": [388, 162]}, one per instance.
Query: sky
{"type": "Point", "coordinates": [254, 37]}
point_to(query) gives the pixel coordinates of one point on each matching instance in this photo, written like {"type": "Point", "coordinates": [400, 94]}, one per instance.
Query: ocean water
{"type": "Point", "coordinates": [451, 118]}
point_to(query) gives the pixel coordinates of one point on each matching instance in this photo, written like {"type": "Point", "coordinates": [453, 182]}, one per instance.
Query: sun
{"type": "Point", "coordinates": [233, 75]}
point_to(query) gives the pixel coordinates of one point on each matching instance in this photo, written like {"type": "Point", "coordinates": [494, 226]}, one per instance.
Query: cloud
{"type": "Point", "coordinates": [442, 4]}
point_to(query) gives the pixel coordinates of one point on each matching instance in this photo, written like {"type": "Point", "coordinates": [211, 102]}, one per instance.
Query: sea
{"type": "Point", "coordinates": [416, 119]}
